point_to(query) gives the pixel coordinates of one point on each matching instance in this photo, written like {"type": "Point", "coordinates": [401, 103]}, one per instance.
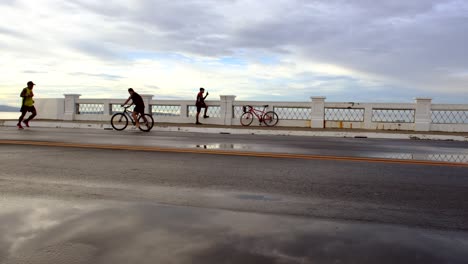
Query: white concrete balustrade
{"type": "Point", "coordinates": [421, 115]}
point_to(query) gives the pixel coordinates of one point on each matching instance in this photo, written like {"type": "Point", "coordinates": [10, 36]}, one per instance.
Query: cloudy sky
{"type": "Point", "coordinates": [361, 50]}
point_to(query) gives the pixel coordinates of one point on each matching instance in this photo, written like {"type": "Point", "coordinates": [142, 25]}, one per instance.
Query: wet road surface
{"type": "Point", "coordinates": [51, 231]}
{"type": "Point", "coordinates": [75, 205]}
{"type": "Point", "coordinates": [353, 147]}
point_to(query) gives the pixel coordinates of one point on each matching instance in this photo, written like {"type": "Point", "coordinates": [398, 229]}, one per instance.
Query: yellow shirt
{"type": "Point", "coordinates": [28, 101]}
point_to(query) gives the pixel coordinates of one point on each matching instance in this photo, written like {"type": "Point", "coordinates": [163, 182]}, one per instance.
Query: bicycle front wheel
{"type": "Point", "coordinates": [119, 121]}
{"type": "Point", "coordinates": [148, 125]}
{"type": "Point", "coordinates": [246, 119]}
{"type": "Point", "coordinates": [270, 118]}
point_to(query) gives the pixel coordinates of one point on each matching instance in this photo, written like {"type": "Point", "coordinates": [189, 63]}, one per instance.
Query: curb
{"type": "Point", "coordinates": [312, 133]}
{"type": "Point", "coordinates": [237, 131]}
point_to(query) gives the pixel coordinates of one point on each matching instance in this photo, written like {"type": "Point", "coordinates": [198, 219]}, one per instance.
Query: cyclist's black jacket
{"type": "Point", "coordinates": [137, 100]}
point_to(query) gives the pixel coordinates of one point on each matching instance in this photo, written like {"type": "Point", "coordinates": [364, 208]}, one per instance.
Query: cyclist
{"type": "Point", "coordinates": [200, 103]}
{"type": "Point", "coordinates": [27, 105]}
{"type": "Point", "coordinates": [139, 106]}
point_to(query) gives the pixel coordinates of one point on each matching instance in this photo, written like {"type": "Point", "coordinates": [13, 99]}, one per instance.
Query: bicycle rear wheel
{"type": "Point", "coordinates": [270, 118]}
{"type": "Point", "coordinates": [246, 119]}
{"type": "Point", "coordinates": [119, 121]}
{"type": "Point", "coordinates": [148, 125]}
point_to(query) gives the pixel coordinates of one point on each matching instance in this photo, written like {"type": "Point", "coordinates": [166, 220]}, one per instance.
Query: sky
{"type": "Point", "coordinates": [279, 50]}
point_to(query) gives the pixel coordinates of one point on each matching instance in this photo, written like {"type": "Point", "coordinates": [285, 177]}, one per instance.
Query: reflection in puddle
{"type": "Point", "coordinates": [456, 158]}
{"type": "Point", "coordinates": [223, 146]}
{"type": "Point", "coordinates": [442, 157]}
{"type": "Point", "coordinates": [448, 157]}
{"type": "Point", "coordinates": [257, 197]}
{"type": "Point", "coordinates": [58, 232]}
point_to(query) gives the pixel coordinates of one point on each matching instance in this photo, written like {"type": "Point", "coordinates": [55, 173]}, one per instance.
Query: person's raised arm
{"type": "Point", "coordinates": [207, 93]}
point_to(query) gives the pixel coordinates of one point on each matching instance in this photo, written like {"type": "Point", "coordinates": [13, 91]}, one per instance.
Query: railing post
{"type": "Point", "coordinates": [368, 116]}
{"type": "Point", "coordinates": [71, 101]}
{"type": "Point", "coordinates": [147, 98]}
{"type": "Point", "coordinates": [317, 112]}
{"type": "Point", "coordinates": [184, 110]}
{"type": "Point", "coordinates": [107, 107]}
{"type": "Point", "coordinates": [422, 116]}
{"type": "Point", "coordinates": [227, 102]}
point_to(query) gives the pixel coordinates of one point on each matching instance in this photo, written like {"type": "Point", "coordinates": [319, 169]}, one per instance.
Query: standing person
{"type": "Point", "coordinates": [139, 106]}
{"type": "Point", "coordinates": [200, 103]}
{"type": "Point", "coordinates": [27, 105]}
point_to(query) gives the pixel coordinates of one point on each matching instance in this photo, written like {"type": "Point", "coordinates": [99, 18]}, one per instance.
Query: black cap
{"type": "Point", "coordinates": [31, 83]}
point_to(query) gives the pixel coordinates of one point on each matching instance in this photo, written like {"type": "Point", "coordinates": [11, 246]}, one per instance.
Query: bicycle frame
{"type": "Point", "coordinates": [258, 113]}
{"type": "Point", "coordinates": [129, 113]}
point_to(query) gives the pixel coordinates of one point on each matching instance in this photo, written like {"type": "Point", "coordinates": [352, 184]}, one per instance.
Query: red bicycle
{"type": "Point", "coordinates": [270, 118]}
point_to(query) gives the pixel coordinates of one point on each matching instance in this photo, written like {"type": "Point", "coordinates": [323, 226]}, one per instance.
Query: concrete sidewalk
{"type": "Point", "coordinates": [257, 130]}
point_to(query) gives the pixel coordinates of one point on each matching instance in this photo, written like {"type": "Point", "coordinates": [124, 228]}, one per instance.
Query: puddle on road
{"type": "Point", "coordinates": [46, 231]}
{"type": "Point", "coordinates": [257, 197]}
{"type": "Point", "coordinates": [456, 158]}
{"type": "Point", "coordinates": [223, 146]}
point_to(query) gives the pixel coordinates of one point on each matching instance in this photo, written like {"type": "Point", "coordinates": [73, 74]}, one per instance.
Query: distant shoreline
{"type": "Point", "coordinates": [6, 108]}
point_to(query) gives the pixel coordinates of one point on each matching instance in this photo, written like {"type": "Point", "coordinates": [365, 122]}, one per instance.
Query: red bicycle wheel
{"type": "Point", "coordinates": [270, 118]}
{"type": "Point", "coordinates": [246, 119]}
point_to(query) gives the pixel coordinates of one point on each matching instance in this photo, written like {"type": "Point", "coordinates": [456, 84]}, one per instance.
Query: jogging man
{"type": "Point", "coordinates": [139, 106]}
{"type": "Point", "coordinates": [27, 105]}
{"type": "Point", "coordinates": [200, 103]}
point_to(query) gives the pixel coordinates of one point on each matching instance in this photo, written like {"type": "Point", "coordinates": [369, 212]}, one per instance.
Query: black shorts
{"type": "Point", "coordinates": [200, 106]}
{"type": "Point", "coordinates": [25, 109]}
{"type": "Point", "coordinates": [139, 109]}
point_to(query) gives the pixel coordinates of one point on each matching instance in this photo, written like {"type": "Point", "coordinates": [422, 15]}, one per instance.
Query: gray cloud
{"type": "Point", "coordinates": [95, 48]}
{"type": "Point", "coordinates": [189, 26]}
{"type": "Point", "coordinates": [9, 32]}
{"type": "Point", "coordinates": [8, 2]}
{"type": "Point", "coordinates": [34, 72]}
{"type": "Point", "coordinates": [418, 45]}
{"type": "Point", "coordinates": [98, 75]}
{"type": "Point", "coordinates": [403, 40]}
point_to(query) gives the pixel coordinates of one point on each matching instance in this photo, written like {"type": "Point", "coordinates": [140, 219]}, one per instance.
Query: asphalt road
{"type": "Point", "coordinates": [249, 209]}
{"type": "Point", "coordinates": [407, 194]}
{"type": "Point", "coordinates": [356, 147]}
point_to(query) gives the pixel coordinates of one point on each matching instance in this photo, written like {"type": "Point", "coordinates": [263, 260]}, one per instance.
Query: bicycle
{"type": "Point", "coordinates": [270, 118]}
{"type": "Point", "coordinates": [119, 121]}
